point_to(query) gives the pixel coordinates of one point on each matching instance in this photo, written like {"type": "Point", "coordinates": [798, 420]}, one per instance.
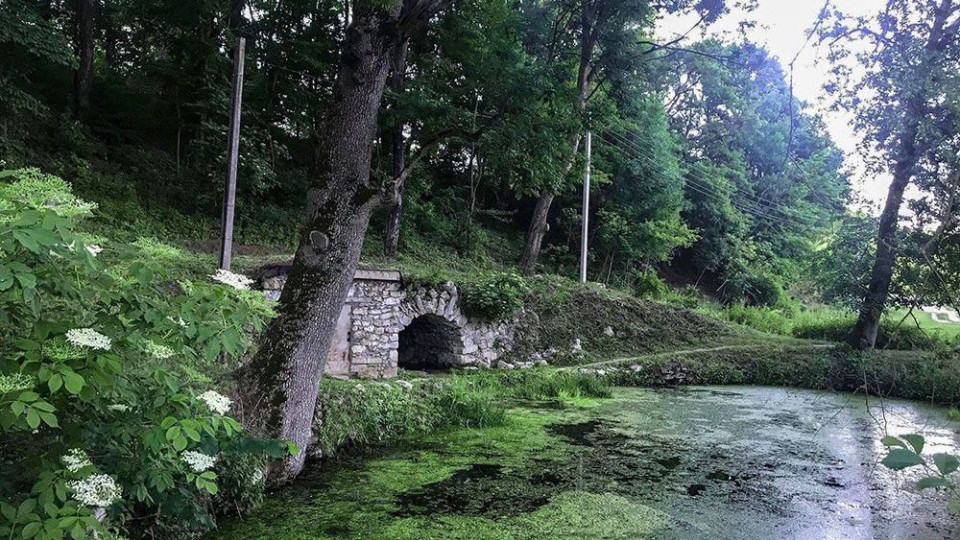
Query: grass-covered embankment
{"type": "Point", "coordinates": [922, 376]}
{"type": "Point", "coordinates": [356, 414]}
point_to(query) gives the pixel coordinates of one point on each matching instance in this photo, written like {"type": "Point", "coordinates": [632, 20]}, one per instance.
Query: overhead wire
{"type": "Point", "coordinates": [707, 188]}
{"type": "Point", "coordinates": [763, 204]}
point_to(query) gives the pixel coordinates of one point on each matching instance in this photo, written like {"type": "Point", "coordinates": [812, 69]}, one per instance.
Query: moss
{"type": "Point", "coordinates": [571, 515]}
{"type": "Point", "coordinates": [357, 498]}
{"type": "Point", "coordinates": [377, 498]}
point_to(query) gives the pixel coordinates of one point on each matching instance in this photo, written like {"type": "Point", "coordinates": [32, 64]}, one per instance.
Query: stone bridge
{"type": "Point", "coordinates": [384, 325]}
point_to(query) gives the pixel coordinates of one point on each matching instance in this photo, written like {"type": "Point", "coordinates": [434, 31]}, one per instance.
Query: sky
{"type": "Point", "coordinates": [782, 26]}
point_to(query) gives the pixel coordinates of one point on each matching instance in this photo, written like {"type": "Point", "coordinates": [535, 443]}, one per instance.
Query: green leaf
{"type": "Point", "coordinates": [890, 440]}
{"type": "Point", "coordinates": [33, 419]}
{"type": "Point", "coordinates": [946, 463]}
{"type": "Point", "coordinates": [55, 382]}
{"type": "Point", "coordinates": [73, 381]}
{"type": "Point", "coordinates": [901, 458]}
{"type": "Point", "coordinates": [916, 441]}
{"type": "Point", "coordinates": [25, 508]}
{"type": "Point", "coordinates": [173, 433]}
{"type": "Point", "coordinates": [31, 529]}
{"type": "Point", "coordinates": [49, 419]}
{"type": "Point", "coordinates": [180, 443]}
{"type": "Point", "coordinates": [932, 482]}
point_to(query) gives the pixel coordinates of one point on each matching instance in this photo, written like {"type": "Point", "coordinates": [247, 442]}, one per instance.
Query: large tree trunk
{"type": "Point", "coordinates": [285, 373]}
{"type": "Point", "coordinates": [83, 76]}
{"type": "Point", "coordinates": [287, 368]}
{"type": "Point", "coordinates": [398, 149]}
{"type": "Point", "coordinates": [864, 334]}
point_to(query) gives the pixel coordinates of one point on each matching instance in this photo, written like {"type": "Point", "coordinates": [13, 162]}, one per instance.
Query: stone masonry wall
{"type": "Point", "coordinates": [379, 307]}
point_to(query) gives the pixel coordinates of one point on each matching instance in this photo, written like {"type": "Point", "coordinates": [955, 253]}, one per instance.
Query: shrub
{"type": "Point", "coordinates": [96, 411]}
{"type": "Point", "coordinates": [761, 318]}
{"type": "Point", "coordinates": [361, 413]}
{"type": "Point", "coordinates": [687, 296]}
{"type": "Point", "coordinates": [494, 295]}
{"type": "Point", "coordinates": [647, 284]}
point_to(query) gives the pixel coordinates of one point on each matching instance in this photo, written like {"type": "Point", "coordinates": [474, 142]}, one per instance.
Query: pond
{"type": "Point", "coordinates": [697, 462]}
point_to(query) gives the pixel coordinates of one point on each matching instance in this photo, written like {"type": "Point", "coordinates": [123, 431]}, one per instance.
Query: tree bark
{"type": "Point", "coordinates": [586, 74]}
{"type": "Point", "coordinates": [864, 334]}
{"type": "Point", "coordinates": [83, 75]}
{"type": "Point", "coordinates": [398, 149]}
{"type": "Point", "coordinates": [536, 231]}
{"type": "Point", "coordinates": [284, 375]}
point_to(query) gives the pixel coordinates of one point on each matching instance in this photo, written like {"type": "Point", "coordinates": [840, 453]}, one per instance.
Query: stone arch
{"type": "Point", "coordinates": [430, 341]}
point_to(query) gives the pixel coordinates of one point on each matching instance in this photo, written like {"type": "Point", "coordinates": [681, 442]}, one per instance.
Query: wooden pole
{"type": "Point", "coordinates": [586, 213]}
{"type": "Point", "coordinates": [233, 147]}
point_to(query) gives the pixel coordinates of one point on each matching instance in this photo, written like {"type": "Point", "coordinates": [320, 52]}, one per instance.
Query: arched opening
{"type": "Point", "coordinates": [429, 342]}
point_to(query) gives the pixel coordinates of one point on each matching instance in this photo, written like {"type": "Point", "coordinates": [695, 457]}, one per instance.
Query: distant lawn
{"type": "Point", "coordinates": [948, 330]}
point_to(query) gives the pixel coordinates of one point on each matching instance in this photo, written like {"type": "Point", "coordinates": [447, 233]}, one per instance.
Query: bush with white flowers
{"type": "Point", "coordinates": [97, 402]}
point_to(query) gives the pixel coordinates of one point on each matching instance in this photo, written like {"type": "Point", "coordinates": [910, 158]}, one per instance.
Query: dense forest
{"type": "Point", "coordinates": [442, 136]}
{"type": "Point", "coordinates": [707, 169]}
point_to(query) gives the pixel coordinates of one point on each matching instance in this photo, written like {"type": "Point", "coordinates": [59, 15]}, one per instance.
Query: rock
{"type": "Point", "coordinates": [577, 347]}
{"type": "Point", "coordinates": [406, 385]}
{"type": "Point", "coordinates": [608, 331]}
{"type": "Point", "coordinates": [505, 365]}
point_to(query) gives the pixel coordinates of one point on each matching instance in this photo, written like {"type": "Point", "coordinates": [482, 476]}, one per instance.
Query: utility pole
{"type": "Point", "coordinates": [233, 147]}
{"type": "Point", "coordinates": [586, 214]}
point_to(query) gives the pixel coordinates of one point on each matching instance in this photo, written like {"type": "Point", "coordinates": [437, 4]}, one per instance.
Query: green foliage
{"type": "Point", "coordinates": [647, 284]}
{"type": "Point", "coordinates": [92, 365]}
{"type": "Point", "coordinates": [906, 451]}
{"type": "Point", "coordinates": [362, 413]}
{"type": "Point", "coordinates": [906, 374]}
{"type": "Point", "coordinates": [761, 318]}
{"type": "Point", "coordinates": [494, 295]}
{"type": "Point", "coordinates": [353, 414]}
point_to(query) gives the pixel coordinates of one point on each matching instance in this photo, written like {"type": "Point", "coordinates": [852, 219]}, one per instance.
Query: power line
{"type": "Point", "coordinates": [708, 191]}
{"type": "Point", "coordinates": [706, 187]}
{"type": "Point", "coordinates": [763, 204]}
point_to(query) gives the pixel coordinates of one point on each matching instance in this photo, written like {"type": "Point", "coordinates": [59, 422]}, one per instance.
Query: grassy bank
{"type": "Point", "coordinates": [931, 377]}
{"type": "Point", "coordinates": [358, 414]}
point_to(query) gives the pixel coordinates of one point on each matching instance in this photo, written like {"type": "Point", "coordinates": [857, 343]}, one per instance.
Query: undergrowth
{"type": "Point", "coordinates": [355, 414]}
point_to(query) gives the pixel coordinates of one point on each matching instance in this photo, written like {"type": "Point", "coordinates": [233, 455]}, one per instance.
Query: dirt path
{"type": "Point", "coordinates": [750, 346]}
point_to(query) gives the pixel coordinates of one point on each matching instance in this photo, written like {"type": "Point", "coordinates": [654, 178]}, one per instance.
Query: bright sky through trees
{"type": "Point", "coordinates": [782, 26]}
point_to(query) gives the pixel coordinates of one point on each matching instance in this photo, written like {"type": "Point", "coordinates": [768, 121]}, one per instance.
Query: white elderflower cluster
{"type": "Point", "coordinates": [76, 459]}
{"type": "Point", "coordinates": [258, 477]}
{"type": "Point", "coordinates": [94, 250]}
{"type": "Point", "coordinates": [160, 352]}
{"type": "Point", "coordinates": [15, 381]}
{"type": "Point", "coordinates": [88, 337]}
{"type": "Point", "coordinates": [218, 403]}
{"type": "Point", "coordinates": [237, 281]}
{"type": "Point", "coordinates": [198, 461]}
{"type": "Point", "coordinates": [96, 490]}
{"type": "Point", "coordinates": [119, 407]}
{"type": "Point", "coordinates": [178, 321]}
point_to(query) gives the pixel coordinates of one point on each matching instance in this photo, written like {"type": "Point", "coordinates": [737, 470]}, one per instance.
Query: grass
{"type": "Point", "coordinates": [353, 414]}
{"type": "Point", "coordinates": [925, 321]}
{"type": "Point", "coordinates": [924, 376]}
